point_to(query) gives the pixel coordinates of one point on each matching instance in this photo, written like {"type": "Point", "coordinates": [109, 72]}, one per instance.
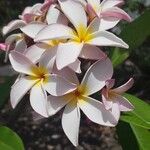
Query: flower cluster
{"type": "Point", "coordinates": [53, 42]}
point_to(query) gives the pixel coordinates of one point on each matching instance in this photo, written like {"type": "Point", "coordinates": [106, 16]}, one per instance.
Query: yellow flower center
{"type": "Point", "coordinates": [41, 74]}
{"type": "Point", "coordinates": [111, 95]}
{"type": "Point", "coordinates": [80, 92]}
{"type": "Point", "coordinates": [82, 34]}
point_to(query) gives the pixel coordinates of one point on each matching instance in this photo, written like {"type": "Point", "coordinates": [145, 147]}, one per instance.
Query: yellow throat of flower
{"type": "Point", "coordinates": [82, 34]}
{"type": "Point", "coordinates": [41, 74]}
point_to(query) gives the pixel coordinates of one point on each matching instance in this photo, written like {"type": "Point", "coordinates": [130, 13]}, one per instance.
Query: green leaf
{"type": "Point", "coordinates": [134, 119]}
{"type": "Point", "coordinates": [9, 140]}
{"type": "Point", "coordinates": [142, 109]}
{"type": "Point", "coordinates": [134, 34]}
{"type": "Point", "coordinates": [142, 136]}
{"type": "Point", "coordinates": [4, 90]}
{"type": "Point", "coordinates": [126, 136]}
{"type": "Point", "coordinates": [118, 56]}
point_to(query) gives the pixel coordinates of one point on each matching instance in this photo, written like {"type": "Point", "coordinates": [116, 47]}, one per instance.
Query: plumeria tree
{"type": "Point", "coordinates": [60, 58]}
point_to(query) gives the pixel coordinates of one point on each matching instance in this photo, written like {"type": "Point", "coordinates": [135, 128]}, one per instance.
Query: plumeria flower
{"type": "Point", "coordinates": [53, 16]}
{"type": "Point", "coordinates": [107, 10]}
{"type": "Point", "coordinates": [93, 81]}
{"type": "Point", "coordinates": [14, 42]}
{"type": "Point", "coordinates": [36, 51]}
{"type": "Point", "coordinates": [28, 15]}
{"type": "Point", "coordinates": [79, 37]}
{"type": "Point", "coordinates": [37, 79]}
{"type": "Point", "coordinates": [113, 99]}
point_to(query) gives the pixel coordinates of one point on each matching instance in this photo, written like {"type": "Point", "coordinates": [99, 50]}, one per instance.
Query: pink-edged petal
{"type": "Point", "coordinates": [95, 4]}
{"type": "Point", "coordinates": [33, 29]}
{"type": "Point", "coordinates": [34, 52]}
{"type": "Point", "coordinates": [28, 18]}
{"type": "Point", "coordinates": [38, 100]}
{"type": "Point", "coordinates": [102, 24]}
{"type": "Point", "coordinates": [46, 5]}
{"type": "Point", "coordinates": [55, 103]}
{"type": "Point", "coordinates": [105, 4]}
{"type": "Point", "coordinates": [35, 9]}
{"type": "Point", "coordinates": [110, 83]}
{"type": "Point", "coordinates": [96, 111]}
{"type": "Point", "coordinates": [124, 104]}
{"type": "Point", "coordinates": [115, 110]}
{"type": "Point", "coordinates": [55, 16]}
{"type": "Point", "coordinates": [123, 88]}
{"type": "Point", "coordinates": [107, 23]}
{"type": "Point", "coordinates": [3, 46]}
{"type": "Point", "coordinates": [21, 46]}
{"type": "Point", "coordinates": [68, 74]}
{"type": "Point", "coordinates": [71, 122]}
{"type": "Point", "coordinates": [48, 58]}
{"type": "Point", "coordinates": [20, 63]}
{"type": "Point", "coordinates": [76, 66]}
{"type": "Point", "coordinates": [116, 12]}
{"type": "Point", "coordinates": [91, 11]}
{"type": "Point", "coordinates": [108, 104]}
{"type": "Point", "coordinates": [19, 89]}
{"type": "Point", "coordinates": [96, 76]}
{"type": "Point", "coordinates": [92, 52]}
{"type": "Point", "coordinates": [13, 25]}
{"type": "Point", "coordinates": [54, 31]}
{"type": "Point", "coordinates": [67, 53]}
{"type": "Point", "coordinates": [105, 38]}
{"type": "Point", "coordinates": [75, 12]}
{"type": "Point", "coordinates": [58, 86]}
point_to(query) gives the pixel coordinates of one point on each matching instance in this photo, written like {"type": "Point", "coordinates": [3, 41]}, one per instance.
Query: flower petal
{"type": "Point", "coordinates": [3, 46]}
{"type": "Point", "coordinates": [67, 53]}
{"type": "Point", "coordinates": [13, 25]}
{"type": "Point", "coordinates": [75, 12]}
{"type": "Point", "coordinates": [102, 24]}
{"type": "Point", "coordinates": [123, 88]}
{"type": "Point", "coordinates": [105, 38]}
{"type": "Point", "coordinates": [116, 12]}
{"type": "Point", "coordinates": [13, 38]}
{"type": "Point", "coordinates": [19, 89]}
{"type": "Point", "coordinates": [55, 16]}
{"type": "Point", "coordinates": [21, 46]}
{"type": "Point", "coordinates": [94, 5]}
{"type": "Point", "coordinates": [92, 52]}
{"type": "Point", "coordinates": [124, 104]}
{"type": "Point", "coordinates": [33, 29]}
{"type": "Point", "coordinates": [105, 4]}
{"type": "Point", "coordinates": [55, 103]}
{"type": "Point", "coordinates": [75, 66]}
{"type": "Point", "coordinates": [68, 74]}
{"type": "Point", "coordinates": [115, 111]}
{"type": "Point", "coordinates": [20, 63]}
{"type": "Point", "coordinates": [96, 111]}
{"type": "Point", "coordinates": [58, 86]}
{"type": "Point", "coordinates": [48, 58]}
{"type": "Point", "coordinates": [97, 74]}
{"type": "Point", "coordinates": [38, 100]}
{"type": "Point", "coordinates": [108, 104]}
{"type": "Point", "coordinates": [34, 52]}
{"type": "Point", "coordinates": [110, 83]}
{"type": "Point", "coordinates": [54, 31]}
{"type": "Point", "coordinates": [71, 122]}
